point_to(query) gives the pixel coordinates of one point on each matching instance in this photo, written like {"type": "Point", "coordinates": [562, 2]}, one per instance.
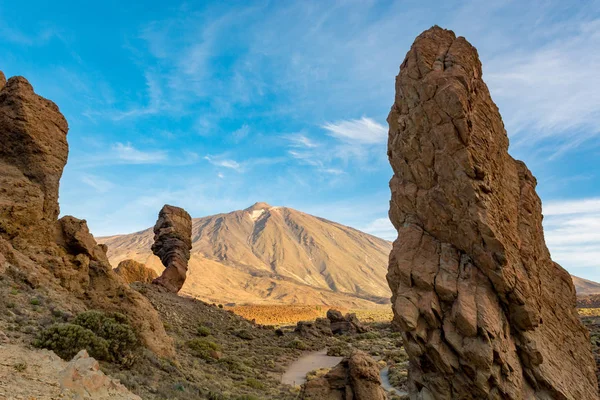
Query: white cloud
{"type": "Point", "coordinates": [550, 92]}
{"type": "Point", "coordinates": [572, 231]}
{"type": "Point", "coordinates": [101, 185]}
{"type": "Point", "coordinates": [383, 228]}
{"type": "Point", "coordinates": [300, 140]}
{"type": "Point", "coordinates": [126, 153]}
{"type": "Point", "coordinates": [225, 163]}
{"type": "Point", "coordinates": [363, 131]}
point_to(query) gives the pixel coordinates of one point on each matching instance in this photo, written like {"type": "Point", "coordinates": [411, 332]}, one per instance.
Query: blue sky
{"type": "Point", "coordinates": [216, 105]}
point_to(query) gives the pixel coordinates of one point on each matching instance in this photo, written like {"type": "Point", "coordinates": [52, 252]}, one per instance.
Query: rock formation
{"type": "Point", "coordinates": [344, 324]}
{"type": "Point", "coordinates": [59, 255]}
{"type": "Point", "coordinates": [355, 378]}
{"type": "Point", "coordinates": [172, 244]}
{"type": "Point", "coordinates": [44, 375]}
{"type": "Point", "coordinates": [484, 311]}
{"type": "Point", "coordinates": [133, 271]}
{"type": "Point", "coordinates": [320, 327]}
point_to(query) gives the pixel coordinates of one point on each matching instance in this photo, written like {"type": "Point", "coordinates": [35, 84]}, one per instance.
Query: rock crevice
{"type": "Point", "coordinates": [484, 311]}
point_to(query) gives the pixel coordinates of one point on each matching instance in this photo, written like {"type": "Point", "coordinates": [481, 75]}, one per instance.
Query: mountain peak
{"type": "Point", "coordinates": [258, 206]}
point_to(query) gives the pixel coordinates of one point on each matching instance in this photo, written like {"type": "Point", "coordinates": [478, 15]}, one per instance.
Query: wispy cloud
{"type": "Point", "coordinates": [126, 153]}
{"type": "Point", "coordinates": [300, 140]}
{"type": "Point", "coordinates": [100, 184]}
{"type": "Point", "coordinates": [572, 231]}
{"type": "Point", "coordinates": [361, 131]}
{"type": "Point", "coordinates": [550, 92]}
{"type": "Point", "coordinates": [381, 227]}
{"type": "Point", "coordinates": [223, 162]}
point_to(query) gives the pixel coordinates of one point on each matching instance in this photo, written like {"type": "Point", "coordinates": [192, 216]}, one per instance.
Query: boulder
{"type": "Point", "coordinates": [172, 244]}
{"type": "Point", "coordinates": [341, 324]}
{"type": "Point", "coordinates": [354, 378]}
{"type": "Point", "coordinates": [484, 311]}
{"type": "Point", "coordinates": [133, 271]}
{"type": "Point", "coordinates": [320, 327]}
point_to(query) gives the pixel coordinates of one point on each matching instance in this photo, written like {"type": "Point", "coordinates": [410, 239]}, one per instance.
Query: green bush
{"type": "Point", "coordinates": [203, 331]}
{"type": "Point", "coordinates": [112, 327]}
{"type": "Point", "coordinates": [105, 336]}
{"type": "Point", "coordinates": [67, 340]}
{"type": "Point", "coordinates": [202, 348]}
{"type": "Point", "coordinates": [243, 334]}
{"type": "Point", "coordinates": [254, 383]}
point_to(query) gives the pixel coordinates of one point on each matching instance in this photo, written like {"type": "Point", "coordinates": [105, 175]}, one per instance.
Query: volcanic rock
{"type": "Point", "coordinates": [172, 244]}
{"type": "Point", "coordinates": [320, 327]}
{"type": "Point", "coordinates": [344, 324]}
{"type": "Point", "coordinates": [33, 153]}
{"type": "Point", "coordinates": [42, 251]}
{"type": "Point", "coordinates": [484, 311]}
{"type": "Point", "coordinates": [355, 378]}
{"type": "Point", "coordinates": [133, 271]}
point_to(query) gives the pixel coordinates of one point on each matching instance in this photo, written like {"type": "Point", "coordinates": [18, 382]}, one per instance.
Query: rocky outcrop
{"type": "Point", "coordinates": [59, 255]}
{"type": "Point", "coordinates": [320, 327]}
{"type": "Point", "coordinates": [484, 311]}
{"type": "Point", "coordinates": [172, 244]}
{"type": "Point", "coordinates": [344, 324]}
{"type": "Point", "coordinates": [133, 271]}
{"type": "Point", "coordinates": [355, 378]}
{"type": "Point", "coordinates": [33, 153]}
{"type": "Point", "coordinates": [41, 374]}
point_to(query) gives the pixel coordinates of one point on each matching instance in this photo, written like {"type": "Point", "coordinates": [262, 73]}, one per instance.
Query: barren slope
{"type": "Point", "coordinates": [277, 255]}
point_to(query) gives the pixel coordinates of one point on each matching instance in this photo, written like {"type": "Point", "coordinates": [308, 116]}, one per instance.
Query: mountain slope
{"type": "Point", "coordinates": [267, 254]}
{"type": "Point", "coordinates": [585, 287]}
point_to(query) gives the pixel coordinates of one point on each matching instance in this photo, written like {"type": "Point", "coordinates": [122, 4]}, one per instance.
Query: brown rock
{"type": "Point", "coordinates": [133, 271]}
{"type": "Point", "coordinates": [344, 324]}
{"type": "Point", "coordinates": [82, 379]}
{"type": "Point", "coordinates": [485, 312]}
{"type": "Point", "coordinates": [320, 327]}
{"type": "Point", "coordinates": [60, 255]}
{"type": "Point", "coordinates": [355, 378]}
{"type": "Point", "coordinates": [172, 244]}
{"type": "Point", "coordinates": [2, 80]}
{"type": "Point", "coordinates": [33, 153]}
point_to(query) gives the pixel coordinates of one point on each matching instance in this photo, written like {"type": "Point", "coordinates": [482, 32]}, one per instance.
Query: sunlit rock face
{"type": "Point", "coordinates": [484, 311]}
{"type": "Point", "coordinates": [172, 244]}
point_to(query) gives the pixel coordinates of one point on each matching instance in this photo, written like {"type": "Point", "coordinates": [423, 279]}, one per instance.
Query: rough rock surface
{"type": "Point", "coordinates": [172, 244]}
{"type": "Point", "coordinates": [355, 378]}
{"type": "Point", "coordinates": [344, 324]}
{"type": "Point", "coordinates": [33, 153]}
{"type": "Point", "coordinates": [133, 271]}
{"type": "Point", "coordinates": [485, 312]}
{"type": "Point", "coordinates": [59, 255]}
{"type": "Point", "coordinates": [320, 327]}
{"type": "Point", "coordinates": [41, 374]}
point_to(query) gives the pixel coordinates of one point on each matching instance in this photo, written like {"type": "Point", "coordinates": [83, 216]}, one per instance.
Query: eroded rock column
{"type": "Point", "coordinates": [484, 311]}
{"type": "Point", "coordinates": [172, 244]}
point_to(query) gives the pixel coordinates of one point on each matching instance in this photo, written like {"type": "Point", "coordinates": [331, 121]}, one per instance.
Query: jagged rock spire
{"type": "Point", "coordinates": [484, 311]}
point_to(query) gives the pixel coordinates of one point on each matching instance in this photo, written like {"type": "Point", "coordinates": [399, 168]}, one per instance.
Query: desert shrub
{"type": "Point", "coordinates": [203, 330]}
{"type": "Point", "coordinates": [112, 327]}
{"type": "Point", "coordinates": [340, 349]}
{"type": "Point", "coordinates": [67, 340]}
{"type": "Point", "coordinates": [254, 383]}
{"type": "Point", "coordinates": [235, 365]}
{"type": "Point", "coordinates": [202, 348]}
{"type": "Point", "coordinates": [298, 344]}
{"type": "Point", "coordinates": [105, 336]}
{"type": "Point", "coordinates": [243, 334]}
{"type": "Point", "coordinates": [398, 375]}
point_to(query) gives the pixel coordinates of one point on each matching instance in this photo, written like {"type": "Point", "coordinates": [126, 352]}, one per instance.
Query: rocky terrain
{"type": "Point", "coordinates": [273, 255]}
{"type": "Point", "coordinates": [484, 311]}
{"type": "Point", "coordinates": [133, 271]}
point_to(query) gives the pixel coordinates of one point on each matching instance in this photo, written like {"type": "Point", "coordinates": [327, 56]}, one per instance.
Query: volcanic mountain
{"type": "Point", "coordinates": [274, 255]}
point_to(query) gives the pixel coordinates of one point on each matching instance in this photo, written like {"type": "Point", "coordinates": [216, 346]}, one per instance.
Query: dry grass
{"type": "Point", "coordinates": [589, 312]}
{"type": "Point", "coordinates": [291, 314]}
